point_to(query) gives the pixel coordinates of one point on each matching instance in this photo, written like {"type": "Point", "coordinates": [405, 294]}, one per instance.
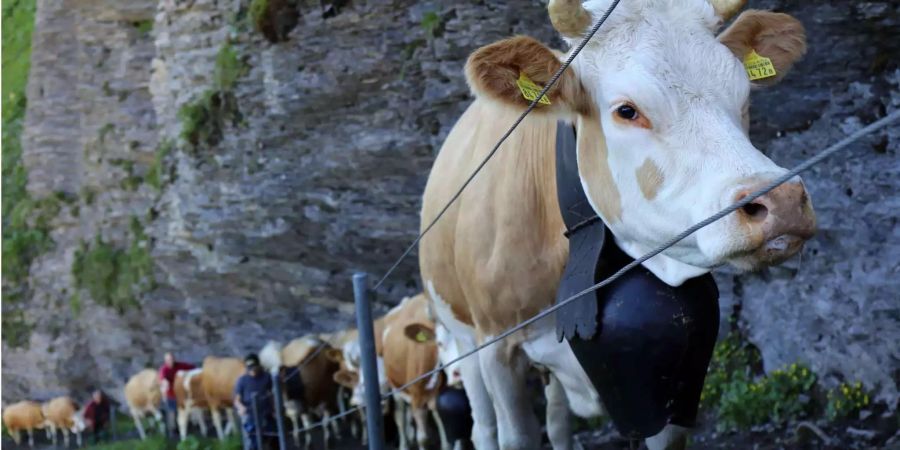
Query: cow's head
{"type": "Point", "coordinates": [661, 106]}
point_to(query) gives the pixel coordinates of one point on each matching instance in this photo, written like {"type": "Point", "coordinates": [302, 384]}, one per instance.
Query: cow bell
{"type": "Point", "coordinates": [644, 345]}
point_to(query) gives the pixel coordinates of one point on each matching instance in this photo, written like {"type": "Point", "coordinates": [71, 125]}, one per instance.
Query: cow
{"type": "Point", "coordinates": [62, 413]}
{"type": "Point", "coordinates": [660, 105]}
{"type": "Point", "coordinates": [190, 400]}
{"type": "Point", "coordinates": [218, 380]}
{"type": "Point", "coordinates": [143, 397]}
{"type": "Point", "coordinates": [308, 388]}
{"type": "Point", "coordinates": [23, 416]}
{"type": "Point", "coordinates": [405, 348]}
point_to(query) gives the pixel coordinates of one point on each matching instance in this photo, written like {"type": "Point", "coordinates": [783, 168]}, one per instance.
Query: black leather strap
{"type": "Point", "coordinates": [586, 233]}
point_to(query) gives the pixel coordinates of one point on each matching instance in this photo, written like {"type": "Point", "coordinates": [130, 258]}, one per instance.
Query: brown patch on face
{"type": "Point", "coordinates": [593, 166]}
{"type": "Point", "coordinates": [776, 36]}
{"type": "Point", "coordinates": [493, 70]}
{"type": "Point", "coordinates": [649, 178]}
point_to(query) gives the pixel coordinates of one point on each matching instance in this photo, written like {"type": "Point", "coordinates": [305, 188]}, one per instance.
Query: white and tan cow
{"type": "Point", "coordinates": [24, 416]}
{"type": "Point", "coordinates": [307, 382]}
{"type": "Point", "coordinates": [660, 104]}
{"type": "Point", "coordinates": [406, 349]}
{"type": "Point", "coordinates": [143, 396]}
{"type": "Point", "coordinates": [62, 414]}
{"type": "Point", "coordinates": [218, 380]}
{"type": "Point", "coordinates": [190, 400]}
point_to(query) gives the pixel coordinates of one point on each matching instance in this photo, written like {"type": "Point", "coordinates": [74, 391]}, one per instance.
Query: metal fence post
{"type": "Point", "coordinates": [279, 420]}
{"type": "Point", "coordinates": [369, 366]}
{"type": "Point", "coordinates": [257, 423]}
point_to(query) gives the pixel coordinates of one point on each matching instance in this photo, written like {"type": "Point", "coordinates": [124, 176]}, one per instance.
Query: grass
{"type": "Point", "coordinates": [158, 175]}
{"type": "Point", "coordinates": [115, 277]}
{"type": "Point", "coordinates": [157, 442]}
{"type": "Point", "coordinates": [203, 121]}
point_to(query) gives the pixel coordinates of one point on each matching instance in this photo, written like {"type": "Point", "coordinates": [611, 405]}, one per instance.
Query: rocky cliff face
{"type": "Point", "coordinates": [236, 182]}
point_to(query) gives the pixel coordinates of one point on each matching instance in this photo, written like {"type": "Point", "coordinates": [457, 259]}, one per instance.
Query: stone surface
{"type": "Point", "coordinates": [256, 237]}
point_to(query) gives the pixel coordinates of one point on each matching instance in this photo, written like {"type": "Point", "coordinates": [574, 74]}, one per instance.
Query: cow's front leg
{"type": "Point", "coordinates": [484, 421]}
{"type": "Point", "coordinates": [439, 423]}
{"type": "Point", "coordinates": [217, 422]}
{"type": "Point", "coordinates": [672, 437]}
{"type": "Point", "coordinates": [30, 437]}
{"type": "Point", "coordinates": [307, 423]}
{"type": "Point", "coordinates": [400, 420]}
{"type": "Point", "coordinates": [420, 416]}
{"type": "Point", "coordinates": [504, 377]}
{"type": "Point", "coordinates": [558, 429]}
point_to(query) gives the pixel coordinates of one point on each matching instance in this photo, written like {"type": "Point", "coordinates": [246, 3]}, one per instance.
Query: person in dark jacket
{"type": "Point", "coordinates": [255, 384]}
{"type": "Point", "coordinates": [96, 415]}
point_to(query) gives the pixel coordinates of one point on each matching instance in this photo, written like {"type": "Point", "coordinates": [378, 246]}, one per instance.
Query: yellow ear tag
{"type": "Point", "coordinates": [421, 337]}
{"type": "Point", "coordinates": [758, 66]}
{"type": "Point", "coordinates": [530, 90]}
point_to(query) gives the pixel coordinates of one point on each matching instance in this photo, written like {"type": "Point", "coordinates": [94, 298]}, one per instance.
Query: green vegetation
{"type": "Point", "coordinates": [846, 401]}
{"type": "Point", "coordinates": [157, 442]}
{"type": "Point", "coordinates": [131, 181]}
{"type": "Point", "coordinates": [157, 175]}
{"type": "Point", "coordinates": [203, 120]}
{"type": "Point", "coordinates": [431, 23]}
{"type": "Point", "coordinates": [143, 26]}
{"type": "Point", "coordinates": [741, 396]}
{"type": "Point", "coordinates": [259, 10]}
{"type": "Point", "coordinates": [783, 395]}
{"type": "Point", "coordinates": [115, 277]}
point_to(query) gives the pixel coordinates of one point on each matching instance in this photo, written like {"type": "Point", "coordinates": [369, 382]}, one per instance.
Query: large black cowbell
{"type": "Point", "coordinates": [644, 345]}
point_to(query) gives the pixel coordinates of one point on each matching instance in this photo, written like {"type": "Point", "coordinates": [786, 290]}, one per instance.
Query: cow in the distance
{"type": "Point", "coordinates": [62, 413]}
{"type": "Point", "coordinates": [143, 397]}
{"type": "Point", "coordinates": [24, 416]}
{"type": "Point", "coordinates": [308, 388]}
{"type": "Point", "coordinates": [660, 105]}
{"type": "Point", "coordinates": [405, 349]}
{"type": "Point", "coordinates": [190, 399]}
{"type": "Point", "coordinates": [218, 379]}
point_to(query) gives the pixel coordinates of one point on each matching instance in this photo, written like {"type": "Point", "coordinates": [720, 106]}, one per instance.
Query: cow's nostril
{"type": "Point", "coordinates": [757, 212]}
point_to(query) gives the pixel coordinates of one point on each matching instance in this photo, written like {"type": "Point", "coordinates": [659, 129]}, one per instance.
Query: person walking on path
{"type": "Point", "coordinates": [167, 374]}
{"type": "Point", "coordinates": [256, 384]}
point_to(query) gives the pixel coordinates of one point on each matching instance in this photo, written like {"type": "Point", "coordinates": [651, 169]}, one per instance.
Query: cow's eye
{"type": "Point", "coordinates": [627, 112]}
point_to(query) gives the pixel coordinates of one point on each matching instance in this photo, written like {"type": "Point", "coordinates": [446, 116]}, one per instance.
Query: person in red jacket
{"type": "Point", "coordinates": [96, 414]}
{"type": "Point", "coordinates": [167, 374]}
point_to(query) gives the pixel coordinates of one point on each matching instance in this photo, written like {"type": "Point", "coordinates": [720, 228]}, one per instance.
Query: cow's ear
{"type": "Point", "coordinates": [345, 378]}
{"type": "Point", "coordinates": [777, 37]}
{"type": "Point", "coordinates": [334, 355]}
{"type": "Point", "coordinates": [419, 332]}
{"type": "Point", "coordinates": [514, 70]}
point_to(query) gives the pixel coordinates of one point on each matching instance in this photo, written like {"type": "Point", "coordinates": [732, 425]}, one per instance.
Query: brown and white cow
{"type": "Point", "coordinates": [143, 396]}
{"type": "Point", "coordinates": [661, 104]}
{"type": "Point", "coordinates": [23, 416]}
{"type": "Point", "coordinates": [218, 380]}
{"type": "Point", "coordinates": [406, 349]}
{"type": "Point", "coordinates": [62, 414]}
{"type": "Point", "coordinates": [307, 382]}
{"type": "Point", "coordinates": [190, 400]}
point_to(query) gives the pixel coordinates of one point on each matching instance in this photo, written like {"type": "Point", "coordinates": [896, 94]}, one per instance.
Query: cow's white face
{"type": "Point", "coordinates": [448, 350]}
{"type": "Point", "coordinates": [661, 105]}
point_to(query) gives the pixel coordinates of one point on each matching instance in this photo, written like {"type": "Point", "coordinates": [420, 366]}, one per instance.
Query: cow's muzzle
{"type": "Point", "coordinates": [778, 223]}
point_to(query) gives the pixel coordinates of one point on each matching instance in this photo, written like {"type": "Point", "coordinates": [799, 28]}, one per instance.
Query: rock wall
{"type": "Point", "coordinates": [323, 158]}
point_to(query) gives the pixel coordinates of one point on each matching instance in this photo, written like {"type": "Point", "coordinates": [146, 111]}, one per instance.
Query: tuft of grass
{"type": "Point", "coordinates": [157, 442]}
{"type": "Point", "coordinates": [431, 24]}
{"type": "Point", "coordinates": [143, 27]}
{"type": "Point", "coordinates": [115, 277]}
{"type": "Point", "coordinates": [157, 175]}
{"type": "Point", "coordinates": [203, 121]}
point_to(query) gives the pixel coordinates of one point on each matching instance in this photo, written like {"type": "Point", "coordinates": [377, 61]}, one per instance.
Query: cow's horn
{"type": "Point", "coordinates": [726, 9]}
{"type": "Point", "coordinates": [569, 17]}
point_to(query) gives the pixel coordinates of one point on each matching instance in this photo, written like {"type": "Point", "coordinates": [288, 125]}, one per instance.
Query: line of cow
{"type": "Point", "coordinates": [59, 414]}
